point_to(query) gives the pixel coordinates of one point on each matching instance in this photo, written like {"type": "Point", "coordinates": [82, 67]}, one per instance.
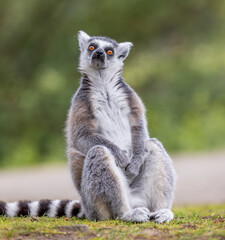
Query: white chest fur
{"type": "Point", "coordinates": [111, 111]}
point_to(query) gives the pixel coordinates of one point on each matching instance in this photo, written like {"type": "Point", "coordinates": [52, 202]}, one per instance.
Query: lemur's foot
{"type": "Point", "coordinates": [161, 216]}
{"type": "Point", "coordinates": [140, 214]}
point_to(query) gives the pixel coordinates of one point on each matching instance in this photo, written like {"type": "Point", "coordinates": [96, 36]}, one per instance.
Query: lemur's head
{"type": "Point", "coordinates": [101, 52]}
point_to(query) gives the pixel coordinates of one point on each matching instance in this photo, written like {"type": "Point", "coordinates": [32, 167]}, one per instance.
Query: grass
{"type": "Point", "coordinates": [194, 222]}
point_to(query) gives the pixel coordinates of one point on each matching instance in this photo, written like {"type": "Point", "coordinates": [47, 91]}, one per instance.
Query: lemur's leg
{"type": "Point", "coordinates": [76, 162]}
{"type": "Point", "coordinates": [104, 190]}
{"type": "Point", "coordinates": [154, 186]}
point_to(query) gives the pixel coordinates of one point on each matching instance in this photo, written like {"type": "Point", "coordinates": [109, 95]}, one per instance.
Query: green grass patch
{"type": "Point", "coordinates": [194, 222]}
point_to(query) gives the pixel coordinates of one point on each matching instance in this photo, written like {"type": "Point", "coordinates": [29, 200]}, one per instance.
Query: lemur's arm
{"type": "Point", "coordinates": [138, 131]}
{"type": "Point", "coordinates": [91, 139]}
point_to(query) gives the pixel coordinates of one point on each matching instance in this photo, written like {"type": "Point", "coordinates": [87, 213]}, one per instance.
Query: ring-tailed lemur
{"type": "Point", "coordinates": [118, 170]}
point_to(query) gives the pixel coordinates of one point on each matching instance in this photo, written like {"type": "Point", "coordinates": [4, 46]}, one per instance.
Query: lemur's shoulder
{"type": "Point", "coordinates": [135, 102]}
{"type": "Point", "coordinates": [81, 110]}
{"type": "Point", "coordinates": [81, 103]}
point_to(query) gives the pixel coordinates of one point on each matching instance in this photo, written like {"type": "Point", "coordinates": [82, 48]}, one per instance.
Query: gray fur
{"type": "Point", "coordinates": [117, 168]}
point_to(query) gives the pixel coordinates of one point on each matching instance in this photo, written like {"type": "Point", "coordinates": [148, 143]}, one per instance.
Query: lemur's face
{"type": "Point", "coordinates": [101, 52]}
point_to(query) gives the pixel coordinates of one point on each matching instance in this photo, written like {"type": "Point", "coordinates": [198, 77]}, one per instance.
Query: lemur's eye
{"type": "Point", "coordinates": [110, 52]}
{"type": "Point", "coordinates": [91, 48]}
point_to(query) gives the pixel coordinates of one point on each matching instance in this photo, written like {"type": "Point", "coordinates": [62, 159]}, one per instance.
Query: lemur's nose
{"type": "Point", "coordinates": [99, 52]}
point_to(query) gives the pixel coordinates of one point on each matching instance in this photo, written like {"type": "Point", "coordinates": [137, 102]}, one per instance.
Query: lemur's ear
{"type": "Point", "coordinates": [83, 38]}
{"type": "Point", "coordinates": [123, 49]}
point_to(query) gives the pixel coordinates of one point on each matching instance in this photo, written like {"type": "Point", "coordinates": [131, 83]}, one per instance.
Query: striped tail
{"type": "Point", "coordinates": [50, 208]}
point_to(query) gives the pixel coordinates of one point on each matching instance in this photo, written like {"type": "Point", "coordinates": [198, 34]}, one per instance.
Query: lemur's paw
{"type": "Point", "coordinates": [121, 159]}
{"type": "Point", "coordinates": [131, 171]}
{"type": "Point", "coordinates": [161, 216]}
{"type": "Point", "coordinates": [140, 214]}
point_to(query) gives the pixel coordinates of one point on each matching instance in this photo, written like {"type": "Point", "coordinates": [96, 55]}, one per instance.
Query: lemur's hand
{"type": "Point", "coordinates": [131, 171]}
{"type": "Point", "coordinates": [133, 168]}
{"type": "Point", "coordinates": [120, 157]}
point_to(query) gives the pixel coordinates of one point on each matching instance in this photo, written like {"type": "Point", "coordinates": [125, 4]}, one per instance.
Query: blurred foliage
{"type": "Point", "coordinates": [177, 66]}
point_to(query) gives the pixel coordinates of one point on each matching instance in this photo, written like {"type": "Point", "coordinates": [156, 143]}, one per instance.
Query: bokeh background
{"type": "Point", "coordinates": [177, 66]}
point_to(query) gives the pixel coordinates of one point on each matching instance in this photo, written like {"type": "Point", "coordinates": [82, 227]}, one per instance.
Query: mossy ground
{"type": "Point", "coordinates": [194, 222]}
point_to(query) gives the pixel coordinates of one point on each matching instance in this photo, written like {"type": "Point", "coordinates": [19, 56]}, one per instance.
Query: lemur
{"type": "Point", "coordinates": [118, 170]}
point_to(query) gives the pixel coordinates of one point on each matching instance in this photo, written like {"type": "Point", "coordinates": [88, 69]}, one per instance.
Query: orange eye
{"type": "Point", "coordinates": [110, 52]}
{"type": "Point", "coordinates": [91, 48]}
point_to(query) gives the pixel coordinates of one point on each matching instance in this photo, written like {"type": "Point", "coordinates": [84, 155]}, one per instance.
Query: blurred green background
{"type": "Point", "coordinates": [177, 66]}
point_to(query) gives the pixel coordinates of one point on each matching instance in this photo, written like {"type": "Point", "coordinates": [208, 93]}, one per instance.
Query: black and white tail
{"type": "Point", "coordinates": [50, 208]}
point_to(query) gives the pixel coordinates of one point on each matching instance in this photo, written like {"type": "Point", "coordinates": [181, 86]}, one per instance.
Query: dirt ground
{"type": "Point", "coordinates": [201, 180]}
